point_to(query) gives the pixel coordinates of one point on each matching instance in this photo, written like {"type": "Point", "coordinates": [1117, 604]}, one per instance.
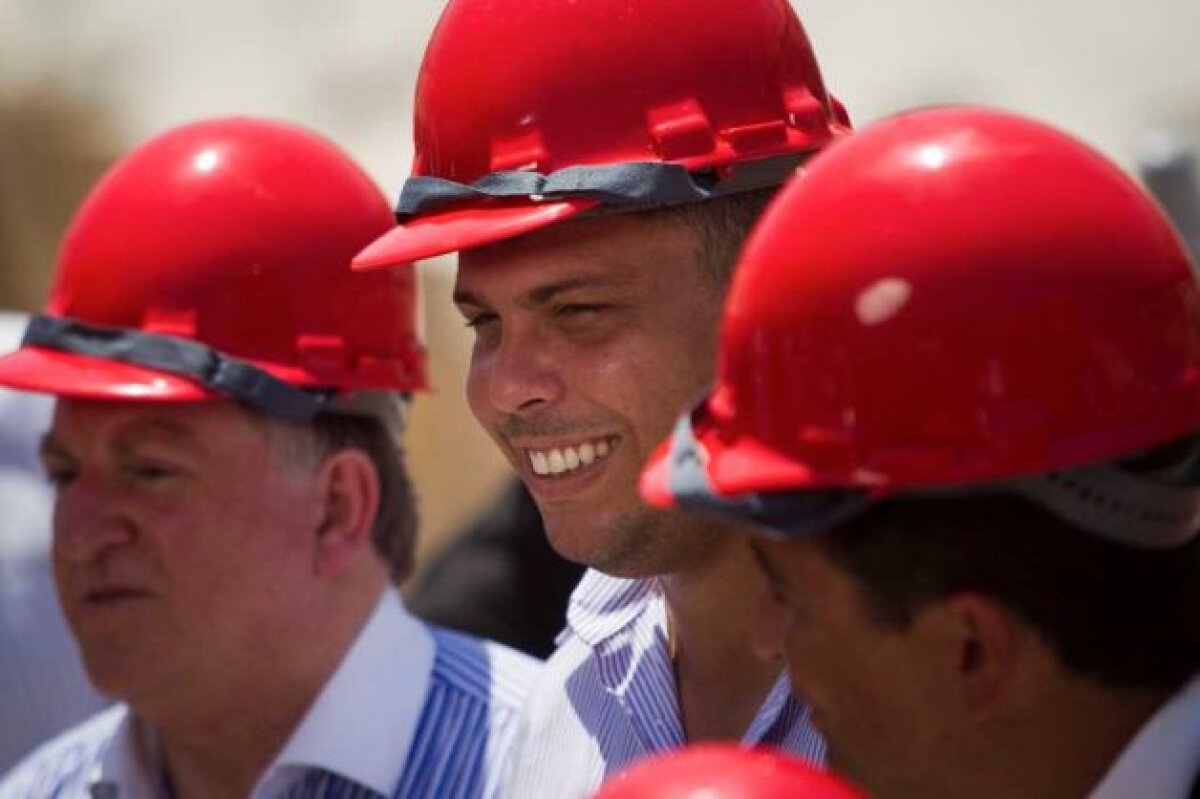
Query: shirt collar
{"type": "Point", "coordinates": [1163, 758]}
{"type": "Point", "coordinates": [624, 622]}
{"type": "Point", "coordinates": [364, 720]}
{"type": "Point", "coordinates": [602, 606]}
{"type": "Point", "coordinates": [360, 726]}
{"type": "Point", "coordinates": [129, 764]}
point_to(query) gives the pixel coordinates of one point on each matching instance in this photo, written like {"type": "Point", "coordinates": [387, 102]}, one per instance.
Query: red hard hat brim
{"type": "Point", "coordinates": [655, 482]}
{"type": "Point", "coordinates": [464, 229]}
{"type": "Point", "coordinates": [65, 374]}
{"type": "Point", "coordinates": [737, 464]}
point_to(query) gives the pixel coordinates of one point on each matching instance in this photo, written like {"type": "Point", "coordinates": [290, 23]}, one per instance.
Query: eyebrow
{"type": "Point", "coordinates": [545, 293]}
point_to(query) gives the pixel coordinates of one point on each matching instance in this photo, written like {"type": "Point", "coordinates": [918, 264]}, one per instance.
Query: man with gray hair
{"type": "Point", "coordinates": [231, 500]}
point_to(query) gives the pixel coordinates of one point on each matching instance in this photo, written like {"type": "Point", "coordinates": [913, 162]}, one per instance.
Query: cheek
{"type": "Point", "coordinates": [876, 714]}
{"type": "Point", "coordinates": [834, 671]}
{"type": "Point", "coordinates": [243, 567]}
{"type": "Point", "coordinates": [649, 381]}
{"type": "Point", "coordinates": [807, 655]}
{"type": "Point", "coordinates": [239, 529]}
{"type": "Point", "coordinates": [476, 382]}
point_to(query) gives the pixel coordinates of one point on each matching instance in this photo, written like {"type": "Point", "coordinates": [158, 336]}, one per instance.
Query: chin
{"type": "Point", "coordinates": [121, 666]}
{"type": "Point", "coordinates": [113, 677]}
{"type": "Point", "coordinates": [625, 545]}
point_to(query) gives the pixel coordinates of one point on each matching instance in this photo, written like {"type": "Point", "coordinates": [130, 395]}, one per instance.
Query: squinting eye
{"type": "Point", "coordinates": [60, 476]}
{"type": "Point", "coordinates": [479, 319]}
{"type": "Point", "coordinates": [152, 471]}
{"type": "Point", "coordinates": [582, 308]}
{"type": "Point", "coordinates": [579, 310]}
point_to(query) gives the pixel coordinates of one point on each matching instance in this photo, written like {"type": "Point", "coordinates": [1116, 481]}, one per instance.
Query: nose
{"type": "Point", "coordinates": [87, 522]}
{"type": "Point", "coordinates": [768, 626]}
{"type": "Point", "coordinates": [519, 374]}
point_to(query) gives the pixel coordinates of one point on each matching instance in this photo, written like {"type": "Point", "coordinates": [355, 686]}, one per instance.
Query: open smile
{"type": "Point", "coordinates": [569, 458]}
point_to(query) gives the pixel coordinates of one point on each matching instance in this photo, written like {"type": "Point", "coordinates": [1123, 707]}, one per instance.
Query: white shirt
{"type": "Point", "coordinates": [608, 698]}
{"type": "Point", "coordinates": [1163, 759]}
{"type": "Point", "coordinates": [412, 712]}
{"type": "Point", "coordinates": [352, 728]}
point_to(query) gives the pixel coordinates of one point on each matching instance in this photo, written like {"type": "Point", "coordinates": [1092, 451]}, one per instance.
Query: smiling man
{"type": "Point", "coordinates": [598, 200]}
{"type": "Point", "coordinates": [231, 500]}
{"type": "Point", "coordinates": [958, 392]}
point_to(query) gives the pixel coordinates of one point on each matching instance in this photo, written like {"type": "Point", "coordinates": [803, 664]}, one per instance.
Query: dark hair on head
{"type": "Point", "coordinates": [720, 227]}
{"type": "Point", "coordinates": [1123, 616]}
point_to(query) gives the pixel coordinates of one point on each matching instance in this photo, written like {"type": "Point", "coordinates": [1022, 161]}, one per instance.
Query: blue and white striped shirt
{"type": "Point", "coordinates": [413, 712]}
{"type": "Point", "coordinates": [608, 697]}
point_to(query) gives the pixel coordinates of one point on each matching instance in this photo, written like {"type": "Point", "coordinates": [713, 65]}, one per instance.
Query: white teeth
{"type": "Point", "coordinates": [567, 459]}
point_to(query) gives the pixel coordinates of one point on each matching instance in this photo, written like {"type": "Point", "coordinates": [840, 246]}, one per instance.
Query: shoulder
{"type": "Point", "coordinates": [602, 622]}
{"type": "Point", "coordinates": [569, 713]}
{"type": "Point", "coordinates": [603, 606]}
{"type": "Point", "coordinates": [565, 725]}
{"type": "Point", "coordinates": [61, 766]}
{"type": "Point", "coordinates": [465, 737]}
{"type": "Point", "coordinates": [482, 670]}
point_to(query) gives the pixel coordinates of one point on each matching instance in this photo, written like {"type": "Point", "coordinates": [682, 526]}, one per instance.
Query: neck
{"type": "Point", "coordinates": [712, 606]}
{"type": "Point", "coordinates": [221, 744]}
{"type": "Point", "coordinates": [1065, 744]}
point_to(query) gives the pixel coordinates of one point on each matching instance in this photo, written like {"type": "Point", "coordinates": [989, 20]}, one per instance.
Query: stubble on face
{"type": "Point", "coordinates": [625, 371]}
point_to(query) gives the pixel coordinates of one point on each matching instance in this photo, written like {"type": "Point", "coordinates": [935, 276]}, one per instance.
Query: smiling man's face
{"type": "Point", "coordinates": [590, 337]}
{"type": "Point", "coordinates": [183, 542]}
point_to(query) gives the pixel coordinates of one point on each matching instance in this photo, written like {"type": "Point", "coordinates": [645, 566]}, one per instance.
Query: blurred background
{"type": "Point", "coordinates": [81, 82]}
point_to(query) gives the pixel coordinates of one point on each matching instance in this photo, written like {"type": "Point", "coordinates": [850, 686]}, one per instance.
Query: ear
{"type": "Point", "coordinates": [987, 646]}
{"type": "Point", "coordinates": [350, 495]}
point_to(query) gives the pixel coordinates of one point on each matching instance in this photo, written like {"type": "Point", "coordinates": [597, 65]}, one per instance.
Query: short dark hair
{"type": "Point", "coordinates": [720, 227]}
{"type": "Point", "coordinates": [1123, 616]}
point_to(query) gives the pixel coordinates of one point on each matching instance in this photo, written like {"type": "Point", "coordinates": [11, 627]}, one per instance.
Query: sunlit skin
{"type": "Point", "coordinates": [192, 559]}
{"type": "Point", "coordinates": [590, 330]}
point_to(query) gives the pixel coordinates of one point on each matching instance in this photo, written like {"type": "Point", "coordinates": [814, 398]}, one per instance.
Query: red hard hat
{"type": "Point", "coordinates": [532, 111]}
{"type": "Point", "coordinates": [723, 771]}
{"type": "Point", "coordinates": [214, 261]}
{"type": "Point", "coordinates": [951, 297]}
